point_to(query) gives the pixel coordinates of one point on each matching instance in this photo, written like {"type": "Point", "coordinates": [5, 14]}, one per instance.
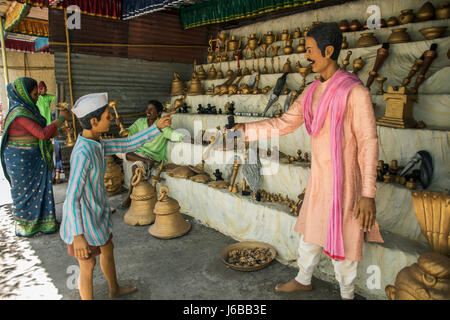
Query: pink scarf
{"type": "Point", "coordinates": [333, 100]}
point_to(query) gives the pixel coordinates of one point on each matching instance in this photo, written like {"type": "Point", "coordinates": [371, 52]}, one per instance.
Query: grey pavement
{"type": "Point", "coordinates": [184, 268]}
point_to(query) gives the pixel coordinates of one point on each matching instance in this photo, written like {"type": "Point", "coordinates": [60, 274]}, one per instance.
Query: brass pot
{"type": "Point", "coordinates": [399, 35]}
{"type": "Point", "coordinates": [344, 26]}
{"type": "Point", "coordinates": [178, 87]}
{"type": "Point", "coordinates": [433, 32]}
{"type": "Point", "coordinates": [344, 43]}
{"type": "Point", "coordinates": [367, 39]}
{"type": "Point", "coordinates": [392, 21]}
{"type": "Point", "coordinates": [285, 35]}
{"type": "Point", "coordinates": [426, 12]}
{"type": "Point", "coordinates": [383, 23]}
{"type": "Point", "coordinates": [288, 49]}
{"type": "Point", "coordinates": [305, 32]}
{"type": "Point", "coordinates": [269, 38]}
{"type": "Point", "coordinates": [168, 223]}
{"type": "Point", "coordinates": [233, 44]}
{"type": "Point", "coordinates": [407, 16]}
{"type": "Point", "coordinates": [301, 46]}
{"type": "Point", "coordinates": [222, 37]}
{"type": "Point", "coordinates": [210, 57]}
{"type": "Point", "coordinates": [355, 25]}
{"type": "Point", "coordinates": [297, 33]}
{"type": "Point", "coordinates": [253, 42]}
{"type": "Point", "coordinates": [443, 12]}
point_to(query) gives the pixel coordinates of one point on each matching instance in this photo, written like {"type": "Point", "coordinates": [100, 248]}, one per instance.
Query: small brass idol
{"type": "Point", "coordinates": [399, 113]}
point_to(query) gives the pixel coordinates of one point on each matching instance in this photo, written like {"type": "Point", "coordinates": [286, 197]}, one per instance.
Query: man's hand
{"type": "Point", "coordinates": [239, 126]}
{"type": "Point", "coordinates": [65, 114]}
{"type": "Point", "coordinates": [164, 122]}
{"type": "Point", "coordinates": [81, 247]}
{"type": "Point", "coordinates": [366, 212]}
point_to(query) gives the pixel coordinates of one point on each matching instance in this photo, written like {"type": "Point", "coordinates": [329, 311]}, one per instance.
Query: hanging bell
{"type": "Point", "coordinates": [143, 199]}
{"type": "Point", "coordinates": [169, 223]}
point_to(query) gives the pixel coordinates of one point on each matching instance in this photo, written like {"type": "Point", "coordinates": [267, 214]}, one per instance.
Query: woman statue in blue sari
{"type": "Point", "coordinates": [26, 157]}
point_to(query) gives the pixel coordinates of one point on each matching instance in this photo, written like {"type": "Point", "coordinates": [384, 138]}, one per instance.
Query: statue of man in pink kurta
{"type": "Point", "coordinates": [338, 212]}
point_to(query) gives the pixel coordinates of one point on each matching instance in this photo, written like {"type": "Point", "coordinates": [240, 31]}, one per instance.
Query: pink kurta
{"type": "Point", "coordinates": [360, 153]}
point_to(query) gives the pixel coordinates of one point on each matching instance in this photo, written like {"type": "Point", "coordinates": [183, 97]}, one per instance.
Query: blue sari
{"type": "Point", "coordinates": [28, 168]}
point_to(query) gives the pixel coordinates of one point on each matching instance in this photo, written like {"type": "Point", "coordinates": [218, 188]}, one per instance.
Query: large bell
{"type": "Point", "coordinates": [169, 223]}
{"type": "Point", "coordinates": [178, 87]}
{"type": "Point", "coordinates": [195, 86]}
{"type": "Point", "coordinates": [143, 200]}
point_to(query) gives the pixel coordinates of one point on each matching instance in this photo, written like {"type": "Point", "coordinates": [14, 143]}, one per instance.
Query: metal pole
{"type": "Point", "coordinates": [69, 73]}
{"type": "Point", "coordinates": [5, 65]}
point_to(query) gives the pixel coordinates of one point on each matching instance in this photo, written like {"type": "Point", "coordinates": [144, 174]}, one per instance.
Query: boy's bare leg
{"type": "Point", "coordinates": [85, 281]}
{"type": "Point", "coordinates": [109, 270]}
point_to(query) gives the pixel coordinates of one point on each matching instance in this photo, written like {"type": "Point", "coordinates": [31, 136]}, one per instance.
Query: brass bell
{"type": "Point", "coordinates": [178, 87]}
{"type": "Point", "coordinates": [143, 199]}
{"type": "Point", "coordinates": [195, 87]}
{"type": "Point", "coordinates": [169, 223]}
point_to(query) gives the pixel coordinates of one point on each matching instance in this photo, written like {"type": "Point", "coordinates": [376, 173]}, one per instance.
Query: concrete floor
{"type": "Point", "coordinates": [185, 268]}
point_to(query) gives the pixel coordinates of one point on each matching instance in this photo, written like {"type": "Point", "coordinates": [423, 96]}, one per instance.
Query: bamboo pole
{"type": "Point", "coordinates": [69, 72]}
{"type": "Point", "coordinates": [5, 65]}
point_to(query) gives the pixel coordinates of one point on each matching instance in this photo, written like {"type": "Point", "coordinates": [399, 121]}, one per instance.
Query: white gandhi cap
{"type": "Point", "coordinates": [89, 103]}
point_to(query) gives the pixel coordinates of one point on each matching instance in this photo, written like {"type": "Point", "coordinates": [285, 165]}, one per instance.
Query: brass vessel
{"type": "Point", "coordinates": [123, 132]}
{"type": "Point", "coordinates": [443, 12]}
{"type": "Point", "coordinates": [168, 223]}
{"type": "Point", "coordinates": [285, 35]}
{"type": "Point", "coordinates": [270, 38]}
{"type": "Point", "coordinates": [143, 199]}
{"type": "Point", "coordinates": [288, 48]}
{"type": "Point", "coordinates": [297, 33]}
{"type": "Point", "coordinates": [392, 21]}
{"type": "Point", "coordinates": [195, 87]}
{"type": "Point", "coordinates": [426, 12]}
{"type": "Point", "coordinates": [344, 26]}
{"type": "Point", "coordinates": [178, 87]}
{"type": "Point", "coordinates": [433, 215]}
{"type": "Point", "coordinates": [433, 32]}
{"type": "Point", "coordinates": [367, 39]}
{"type": "Point", "coordinates": [219, 74]}
{"type": "Point", "coordinates": [346, 60]}
{"type": "Point", "coordinates": [274, 50]}
{"type": "Point", "coordinates": [358, 64]}
{"type": "Point", "coordinates": [344, 43]}
{"type": "Point", "coordinates": [252, 44]}
{"type": "Point", "coordinates": [305, 32]}
{"type": "Point", "coordinates": [287, 66]}
{"type": "Point", "coordinates": [233, 44]}
{"type": "Point", "coordinates": [301, 46]}
{"type": "Point", "coordinates": [399, 35]}
{"type": "Point", "coordinates": [113, 177]}
{"type": "Point", "coordinates": [380, 81]}
{"type": "Point", "coordinates": [406, 16]}
{"type": "Point", "coordinates": [355, 25]}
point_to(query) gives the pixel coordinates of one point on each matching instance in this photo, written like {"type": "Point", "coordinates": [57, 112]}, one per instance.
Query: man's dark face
{"type": "Point", "coordinates": [43, 91]}
{"type": "Point", "coordinates": [152, 113]}
{"type": "Point", "coordinates": [314, 55]}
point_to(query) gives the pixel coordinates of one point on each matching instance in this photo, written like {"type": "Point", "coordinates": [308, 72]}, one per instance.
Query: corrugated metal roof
{"type": "Point", "coordinates": [133, 82]}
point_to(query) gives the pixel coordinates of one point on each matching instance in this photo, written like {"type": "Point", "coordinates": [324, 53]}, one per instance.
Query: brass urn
{"type": "Point", "coordinates": [367, 39]}
{"type": "Point", "coordinates": [301, 46]}
{"type": "Point", "coordinates": [113, 177]}
{"type": "Point", "coordinates": [288, 48]}
{"type": "Point", "coordinates": [233, 44]}
{"type": "Point", "coordinates": [285, 35]}
{"type": "Point", "coordinates": [143, 199]}
{"type": "Point", "coordinates": [426, 12]}
{"type": "Point", "coordinates": [178, 87]}
{"type": "Point", "coordinates": [344, 26]}
{"type": "Point", "coordinates": [398, 36]}
{"type": "Point", "coordinates": [406, 16]}
{"type": "Point", "coordinates": [270, 38]}
{"type": "Point", "coordinates": [168, 223]}
{"type": "Point", "coordinates": [443, 12]}
{"type": "Point", "coordinates": [392, 21]}
{"type": "Point", "coordinates": [297, 33]}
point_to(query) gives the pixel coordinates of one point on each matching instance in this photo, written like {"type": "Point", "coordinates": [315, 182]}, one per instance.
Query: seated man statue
{"type": "Point", "coordinates": [152, 152]}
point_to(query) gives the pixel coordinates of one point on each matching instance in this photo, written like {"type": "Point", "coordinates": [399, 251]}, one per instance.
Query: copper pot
{"type": "Point", "coordinates": [367, 40]}
{"type": "Point", "coordinates": [443, 12]}
{"type": "Point", "coordinates": [426, 12]}
{"type": "Point", "coordinates": [355, 25]}
{"type": "Point", "coordinates": [392, 21]}
{"type": "Point", "coordinates": [344, 26]}
{"type": "Point", "coordinates": [433, 32]}
{"type": "Point", "coordinates": [399, 35]}
{"type": "Point", "coordinates": [407, 16]}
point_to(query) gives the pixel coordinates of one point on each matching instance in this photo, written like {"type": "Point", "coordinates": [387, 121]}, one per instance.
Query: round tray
{"type": "Point", "coordinates": [247, 245]}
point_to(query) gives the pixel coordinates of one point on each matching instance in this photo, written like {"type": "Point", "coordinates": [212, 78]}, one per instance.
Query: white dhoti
{"type": "Point", "coordinates": [345, 271]}
{"type": "Point", "coordinates": [127, 165]}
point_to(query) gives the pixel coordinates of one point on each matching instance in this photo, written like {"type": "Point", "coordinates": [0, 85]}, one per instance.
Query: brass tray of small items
{"type": "Point", "coordinates": [248, 255]}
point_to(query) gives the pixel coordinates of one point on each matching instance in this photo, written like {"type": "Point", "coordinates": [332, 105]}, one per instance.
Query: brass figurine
{"type": "Point", "coordinates": [358, 64]}
{"type": "Point", "coordinates": [346, 61]}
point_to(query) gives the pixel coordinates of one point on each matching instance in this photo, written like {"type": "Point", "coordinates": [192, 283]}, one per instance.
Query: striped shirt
{"type": "Point", "coordinates": [85, 210]}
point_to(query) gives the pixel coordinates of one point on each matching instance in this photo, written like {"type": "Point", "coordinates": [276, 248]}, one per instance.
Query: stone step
{"type": "Point", "coordinates": [243, 218]}
{"type": "Point", "coordinates": [398, 144]}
